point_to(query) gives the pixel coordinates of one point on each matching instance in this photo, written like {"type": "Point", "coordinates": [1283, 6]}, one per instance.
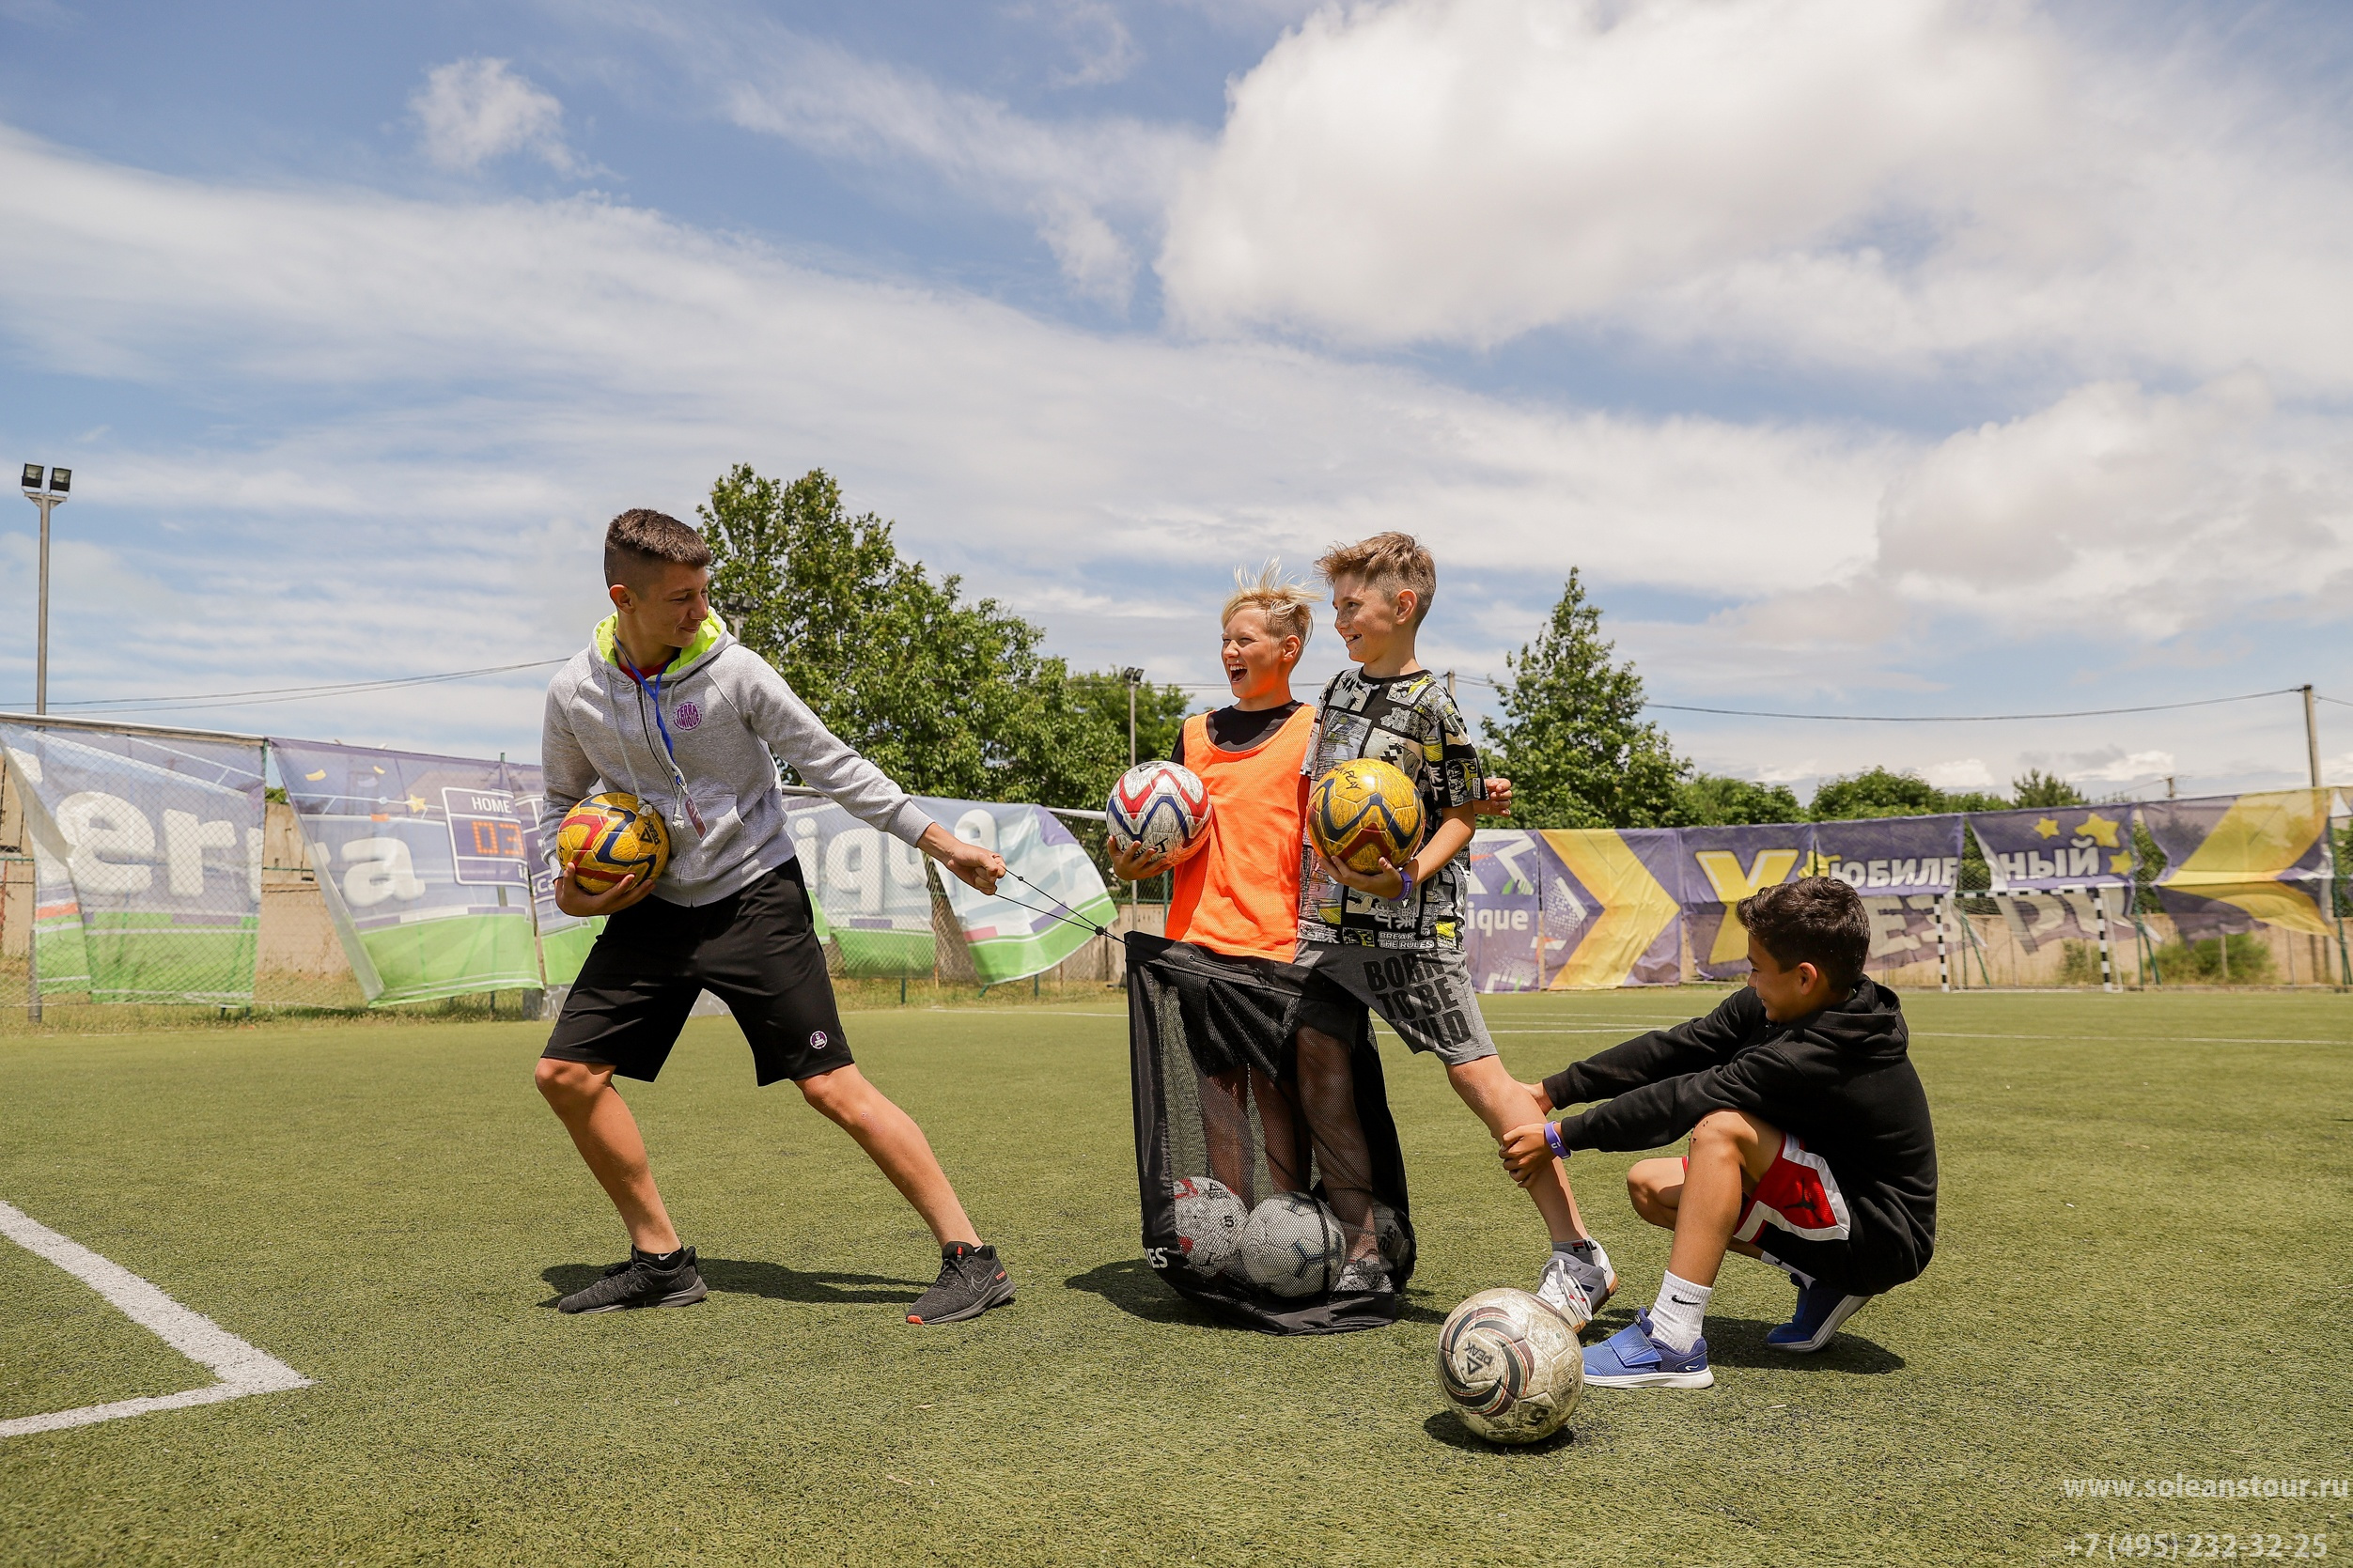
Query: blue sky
{"type": "Point", "coordinates": [1901, 356]}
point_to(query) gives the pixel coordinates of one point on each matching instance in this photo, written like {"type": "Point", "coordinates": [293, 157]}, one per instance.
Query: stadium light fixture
{"type": "Point", "coordinates": [47, 497]}
{"type": "Point", "coordinates": [1131, 675]}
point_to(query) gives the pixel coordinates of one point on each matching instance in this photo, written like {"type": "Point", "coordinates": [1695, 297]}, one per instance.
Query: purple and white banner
{"type": "Point", "coordinates": [2065, 846]}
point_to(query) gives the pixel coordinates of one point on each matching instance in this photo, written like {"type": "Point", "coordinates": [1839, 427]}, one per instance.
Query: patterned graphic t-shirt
{"type": "Point", "coordinates": [1410, 722]}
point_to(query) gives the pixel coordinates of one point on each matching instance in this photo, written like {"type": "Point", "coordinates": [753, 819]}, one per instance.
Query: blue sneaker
{"type": "Point", "coordinates": [1820, 1309]}
{"type": "Point", "coordinates": [1630, 1359]}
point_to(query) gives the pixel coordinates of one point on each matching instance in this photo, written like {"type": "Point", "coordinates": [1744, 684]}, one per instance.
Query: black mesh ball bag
{"type": "Point", "coordinates": [1273, 1185]}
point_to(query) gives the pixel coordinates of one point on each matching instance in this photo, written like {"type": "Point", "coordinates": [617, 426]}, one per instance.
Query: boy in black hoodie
{"type": "Point", "coordinates": [1811, 1146]}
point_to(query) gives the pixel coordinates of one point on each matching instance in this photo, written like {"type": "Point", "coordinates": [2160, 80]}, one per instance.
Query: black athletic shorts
{"type": "Point", "coordinates": [756, 950]}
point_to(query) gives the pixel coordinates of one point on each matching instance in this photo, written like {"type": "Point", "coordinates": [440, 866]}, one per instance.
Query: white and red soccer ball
{"type": "Point", "coordinates": [1161, 806]}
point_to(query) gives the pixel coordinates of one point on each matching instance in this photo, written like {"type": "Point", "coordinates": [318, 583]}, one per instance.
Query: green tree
{"type": "Point", "coordinates": [1714, 801]}
{"type": "Point", "coordinates": [1877, 792]}
{"type": "Point", "coordinates": [2035, 787]}
{"type": "Point", "coordinates": [949, 695]}
{"type": "Point", "coordinates": [1572, 737]}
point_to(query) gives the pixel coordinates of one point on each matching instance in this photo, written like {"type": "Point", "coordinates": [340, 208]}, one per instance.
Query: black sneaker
{"type": "Point", "coordinates": [636, 1281]}
{"type": "Point", "coordinates": [971, 1282]}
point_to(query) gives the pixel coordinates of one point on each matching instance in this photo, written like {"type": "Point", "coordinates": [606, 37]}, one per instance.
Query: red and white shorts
{"type": "Point", "coordinates": [1798, 1194]}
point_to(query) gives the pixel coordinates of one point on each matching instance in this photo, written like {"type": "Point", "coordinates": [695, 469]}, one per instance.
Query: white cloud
{"type": "Point", "coordinates": [472, 111]}
{"type": "Point", "coordinates": [507, 372]}
{"type": "Point", "coordinates": [1887, 186]}
{"type": "Point", "coordinates": [2141, 510]}
{"type": "Point", "coordinates": [1070, 177]}
{"type": "Point", "coordinates": [1967, 773]}
{"type": "Point", "coordinates": [2110, 764]}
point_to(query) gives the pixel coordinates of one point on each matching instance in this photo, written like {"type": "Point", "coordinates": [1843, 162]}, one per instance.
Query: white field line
{"type": "Point", "coordinates": [241, 1369]}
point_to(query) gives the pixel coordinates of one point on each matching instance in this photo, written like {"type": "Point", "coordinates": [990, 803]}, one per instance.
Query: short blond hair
{"type": "Point", "coordinates": [1388, 562]}
{"type": "Point", "coordinates": [1283, 602]}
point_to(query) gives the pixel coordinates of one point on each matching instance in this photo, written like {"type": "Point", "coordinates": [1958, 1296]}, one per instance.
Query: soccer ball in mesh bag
{"type": "Point", "coordinates": [607, 836]}
{"type": "Point", "coordinates": [1362, 813]}
{"type": "Point", "coordinates": [1510, 1366]}
{"type": "Point", "coordinates": [1210, 1221]}
{"type": "Point", "coordinates": [1161, 806]}
{"type": "Point", "coordinates": [1293, 1245]}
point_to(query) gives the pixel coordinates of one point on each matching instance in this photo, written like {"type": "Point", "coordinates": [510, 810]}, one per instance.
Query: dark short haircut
{"type": "Point", "coordinates": [1815, 919]}
{"type": "Point", "coordinates": [640, 540]}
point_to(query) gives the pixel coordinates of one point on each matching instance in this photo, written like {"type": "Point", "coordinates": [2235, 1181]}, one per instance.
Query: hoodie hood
{"type": "Point", "coordinates": [710, 643]}
{"type": "Point", "coordinates": [1870, 1022]}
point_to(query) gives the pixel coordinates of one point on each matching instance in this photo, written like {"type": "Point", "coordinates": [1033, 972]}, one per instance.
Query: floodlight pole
{"type": "Point", "coordinates": [1131, 675]}
{"type": "Point", "coordinates": [40, 655]}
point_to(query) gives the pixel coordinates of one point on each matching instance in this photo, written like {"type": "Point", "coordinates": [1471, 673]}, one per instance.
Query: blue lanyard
{"type": "Point", "coordinates": [670, 753]}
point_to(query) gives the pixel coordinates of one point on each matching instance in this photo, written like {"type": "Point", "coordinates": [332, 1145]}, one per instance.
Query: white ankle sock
{"type": "Point", "coordinates": [1674, 1319]}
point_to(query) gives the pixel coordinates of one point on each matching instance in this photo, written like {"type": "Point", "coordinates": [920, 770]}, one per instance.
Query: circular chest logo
{"type": "Point", "coordinates": [818, 1041]}
{"type": "Point", "coordinates": [688, 715]}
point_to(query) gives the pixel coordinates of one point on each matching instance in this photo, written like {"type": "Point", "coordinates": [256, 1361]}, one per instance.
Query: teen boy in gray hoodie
{"type": "Point", "coordinates": [665, 704]}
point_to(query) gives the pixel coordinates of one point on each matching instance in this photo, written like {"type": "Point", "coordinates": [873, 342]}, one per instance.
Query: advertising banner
{"type": "Point", "coordinates": [1716, 868]}
{"type": "Point", "coordinates": [2038, 919]}
{"type": "Point", "coordinates": [1890, 856]}
{"type": "Point", "coordinates": [147, 862]}
{"type": "Point", "coordinates": [424, 865]}
{"type": "Point", "coordinates": [2067, 846]}
{"type": "Point", "coordinates": [2235, 859]}
{"type": "Point", "coordinates": [872, 894]}
{"type": "Point", "coordinates": [1902, 866]}
{"type": "Point", "coordinates": [1504, 893]}
{"type": "Point", "coordinates": [1612, 893]}
{"type": "Point", "coordinates": [1026, 930]}
{"type": "Point", "coordinates": [564, 940]}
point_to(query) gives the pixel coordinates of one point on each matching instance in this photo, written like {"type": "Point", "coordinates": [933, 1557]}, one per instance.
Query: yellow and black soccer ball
{"type": "Point", "coordinates": [607, 836]}
{"type": "Point", "coordinates": [1363, 812]}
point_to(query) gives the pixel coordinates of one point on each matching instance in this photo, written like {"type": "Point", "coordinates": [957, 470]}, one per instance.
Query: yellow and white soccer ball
{"type": "Point", "coordinates": [607, 836]}
{"type": "Point", "coordinates": [1510, 1366]}
{"type": "Point", "coordinates": [1362, 813]}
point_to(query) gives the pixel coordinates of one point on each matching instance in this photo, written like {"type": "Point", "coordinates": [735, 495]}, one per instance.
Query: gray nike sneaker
{"type": "Point", "coordinates": [971, 1282]}
{"type": "Point", "coordinates": [634, 1281]}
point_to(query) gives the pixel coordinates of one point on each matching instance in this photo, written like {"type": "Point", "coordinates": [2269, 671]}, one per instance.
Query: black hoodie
{"type": "Point", "coordinates": [1841, 1080]}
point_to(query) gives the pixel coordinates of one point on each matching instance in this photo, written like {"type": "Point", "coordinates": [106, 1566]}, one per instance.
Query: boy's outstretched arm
{"type": "Point", "coordinates": [1690, 1046]}
{"type": "Point", "coordinates": [1655, 1114]}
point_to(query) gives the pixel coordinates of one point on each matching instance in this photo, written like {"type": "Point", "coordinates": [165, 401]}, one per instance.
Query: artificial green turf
{"type": "Point", "coordinates": [63, 1346]}
{"type": "Point", "coordinates": [2141, 1270]}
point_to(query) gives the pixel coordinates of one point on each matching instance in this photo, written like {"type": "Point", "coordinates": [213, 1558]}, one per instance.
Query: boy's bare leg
{"type": "Point", "coordinates": [1497, 1098]}
{"type": "Point", "coordinates": [1327, 1087]}
{"type": "Point", "coordinates": [1731, 1151]}
{"type": "Point", "coordinates": [606, 1135]}
{"type": "Point", "coordinates": [1286, 1152]}
{"type": "Point", "coordinates": [896, 1144]}
{"type": "Point", "coordinates": [1224, 1129]}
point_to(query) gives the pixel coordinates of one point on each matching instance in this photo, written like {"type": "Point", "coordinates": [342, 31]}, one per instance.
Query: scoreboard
{"type": "Point", "coordinates": [486, 837]}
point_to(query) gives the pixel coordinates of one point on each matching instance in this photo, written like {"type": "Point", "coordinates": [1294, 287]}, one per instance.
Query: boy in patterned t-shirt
{"type": "Point", "coordinates": [1392, 939]}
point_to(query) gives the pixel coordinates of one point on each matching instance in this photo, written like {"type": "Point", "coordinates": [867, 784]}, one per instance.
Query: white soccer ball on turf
{"type": "Point", "coordinates": [1293, 1245]}
{"type": "Point", "coordinates": [1510, 1366]}
{"type": "Point", "coordinates": [1161, 806]}
{"type": "Point", "coordinates": [1209, 1221]}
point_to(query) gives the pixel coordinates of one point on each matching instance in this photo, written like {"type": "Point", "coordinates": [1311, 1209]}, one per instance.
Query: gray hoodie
{"type": "Point", "coordinates": [730, 718]}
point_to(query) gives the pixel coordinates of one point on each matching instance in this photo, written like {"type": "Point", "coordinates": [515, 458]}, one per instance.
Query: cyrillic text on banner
{"type": "Point", "coordinates": [1902, 866]}
{"type": "Point", "coordinates": [2065, 846]}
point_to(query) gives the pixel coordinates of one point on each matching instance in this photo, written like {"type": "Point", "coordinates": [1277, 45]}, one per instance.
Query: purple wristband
{"type": "Point", "coordinates": [1552, 1138]}
{"type": "Point", "coordinates": [1405, 883]}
